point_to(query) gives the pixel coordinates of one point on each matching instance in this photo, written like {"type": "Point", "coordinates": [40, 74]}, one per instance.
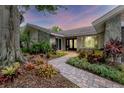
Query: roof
{"type": "Point", "coordinates": [79, 31]}
{"type": "Point", "coordinates": [39, 28]}
{"type": "Point", "coordinates": [67, 33]}
{"type": "Point", "coordinates": [109, 15]}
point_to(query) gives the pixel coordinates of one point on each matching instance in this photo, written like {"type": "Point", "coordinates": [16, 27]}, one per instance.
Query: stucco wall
{"type": "Point", "coordinates": [33, 36]}
{"type": "Point", "coordinates": [63, 44]}
{"type": "Point", "coordinates": [113, 29]}
{"type": "Point", "coordinates": [79, 43]}
{"type": "Point", "coordinates": [42, 36]}
{"type": "Point", "coordinates": [100, 40]}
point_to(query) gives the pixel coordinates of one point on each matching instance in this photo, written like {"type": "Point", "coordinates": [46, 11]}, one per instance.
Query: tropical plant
{"type": "Point", "coordinates": [46, 71]}
{"type": "Point", "coordinates": [92, 58]}
{"type": "Point", "coordinates": [39, 61]}
{"type": "Point", "coordinates": [11, 70]}
{"type": "Point", "coordinates": [113, 49]}
{"type": "Point", "coordinates": [29, 66]}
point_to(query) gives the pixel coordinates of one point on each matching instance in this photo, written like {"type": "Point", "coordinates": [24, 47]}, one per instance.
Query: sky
{"type": "Point", "coordinates": [75, 16]}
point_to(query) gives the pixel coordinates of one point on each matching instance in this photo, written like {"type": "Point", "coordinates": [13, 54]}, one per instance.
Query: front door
{"type": "Point", "coordinates": [58, 43]}
{"type": "Point", "coordinates": [71, 44]}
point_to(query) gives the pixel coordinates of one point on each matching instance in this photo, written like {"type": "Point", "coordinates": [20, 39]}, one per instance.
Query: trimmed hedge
{"type": "Point", "coordinates": [102, 70]}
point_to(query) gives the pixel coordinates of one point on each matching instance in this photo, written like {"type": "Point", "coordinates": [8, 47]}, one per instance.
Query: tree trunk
{"type": "Point", "coordinates": [10, 37]}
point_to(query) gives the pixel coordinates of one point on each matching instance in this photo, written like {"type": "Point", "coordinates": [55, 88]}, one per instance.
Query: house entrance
{"type": "Point", "coordinates": [58, 43]}
{"type": "Point", "coordinates": [71, 44]}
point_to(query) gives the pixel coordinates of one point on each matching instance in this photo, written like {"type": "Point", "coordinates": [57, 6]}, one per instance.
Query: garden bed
{"type": "Point", "coordinates": [30, 80]}
{"type": "Point", "coordinates": [102, 70]}
{"type": "Point", "coordinates": [36, 73]}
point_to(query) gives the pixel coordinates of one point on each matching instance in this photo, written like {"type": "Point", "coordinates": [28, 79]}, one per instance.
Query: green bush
{"type": "Point", "coordinates": [54, 54]}
{"type": "Point", "coordinates": [102, 70]}
{"type": "Point", "coordinates": [42, 47]}
{"type": "Point", "coordinates": [120, 67]}
{"type": "Point", "coordinates": [25, 50]}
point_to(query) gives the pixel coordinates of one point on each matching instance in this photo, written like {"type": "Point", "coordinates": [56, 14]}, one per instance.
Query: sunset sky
{"type": "Point", "coordinates": [74, 17]}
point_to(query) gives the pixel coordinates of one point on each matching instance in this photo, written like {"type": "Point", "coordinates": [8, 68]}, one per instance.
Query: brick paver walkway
{"type": "Point", "coordinates": [80, 77]}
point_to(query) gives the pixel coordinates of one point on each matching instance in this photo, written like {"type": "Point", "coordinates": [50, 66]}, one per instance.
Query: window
{"type": "Point", "coordinates": [90, 42]}
{"type": "Point", "coordinates": [75, 43]}
{"type": "Point", "coordinates": [70, 42]}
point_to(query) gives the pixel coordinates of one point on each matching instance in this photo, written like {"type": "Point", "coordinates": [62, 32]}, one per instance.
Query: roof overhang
{"type": "Point", "coordinates": [57, 34]}
{"type": "Point", "coordinates": [99, 23]}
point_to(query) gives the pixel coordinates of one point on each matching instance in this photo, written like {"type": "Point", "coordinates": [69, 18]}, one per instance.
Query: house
{"type": "Point", "coordinates": [74, 39]}
{"type": "Point", "coordinates": [110, 25]}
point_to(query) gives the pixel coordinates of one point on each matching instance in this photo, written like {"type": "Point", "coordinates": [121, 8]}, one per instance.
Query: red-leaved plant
{"type": "Point", "coordinates": [114, 49]}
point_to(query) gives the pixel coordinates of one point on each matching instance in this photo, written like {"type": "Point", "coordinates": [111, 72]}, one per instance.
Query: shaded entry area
{"type": "Point", "coordinates": [71, 44]}
{"type": "Point", "coordinates": [58, 43]}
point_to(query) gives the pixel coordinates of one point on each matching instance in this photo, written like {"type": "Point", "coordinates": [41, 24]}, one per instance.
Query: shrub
{"type": "Point", "coordinates": [92, 58]}
{"type": "Point", "coordinates": [60, 53]}
{"type": "Point", "coordinates": [120, 67]}
{"type": "Point", "coordinates": [113, 49]}
{"type": "Point", "coordinates": [10, 70]}
{"type": "Point", "coordinates": [102, 70]}
{"type": "Point", "coordinates": [46, 71]}
{"type": "Point", "coordinates": [85, 53]}
{"type": "Point", "coordinates": [25, 50]}
{"type": "Point", "coordinates": [54, 54]}
{"type": "Point", "coordinates": [39, 61]}
{"type": "Point", "coordinates": [42, 47]}
{"type": "Point", "coordinates": [9, 73]}
{"type": "Point", "coordinates": [29, 66]}
{"type": "Point", "coordinates": [82, 54]}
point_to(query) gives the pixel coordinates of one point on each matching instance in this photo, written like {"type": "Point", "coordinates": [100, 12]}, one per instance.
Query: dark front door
{"type": "Point", "coordinates": [58, 44]}
{"type": "Point", "coordinates": [71, 44]}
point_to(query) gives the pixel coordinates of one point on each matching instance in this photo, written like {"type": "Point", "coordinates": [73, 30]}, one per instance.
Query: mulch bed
{"type": "Point", "coordinates": [29, 79]}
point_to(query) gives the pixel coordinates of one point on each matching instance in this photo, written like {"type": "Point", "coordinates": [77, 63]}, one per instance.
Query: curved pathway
{"type": "Point", "coordinates": [80, 77]}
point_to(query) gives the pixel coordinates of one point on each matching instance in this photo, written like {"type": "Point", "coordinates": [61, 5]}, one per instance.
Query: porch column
{"type": "Point", "coordinates": [63, 43]}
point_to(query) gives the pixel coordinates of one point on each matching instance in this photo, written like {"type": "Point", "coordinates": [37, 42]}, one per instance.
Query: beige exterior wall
{"type": "Point", "coordinates": [34, 36]}
{"type": "Point", "coordinates": [79, 43]}
{"type": "Point", "coordinates": [63, 45]}
{"type": "Point", "coordinates": [100, 40]}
